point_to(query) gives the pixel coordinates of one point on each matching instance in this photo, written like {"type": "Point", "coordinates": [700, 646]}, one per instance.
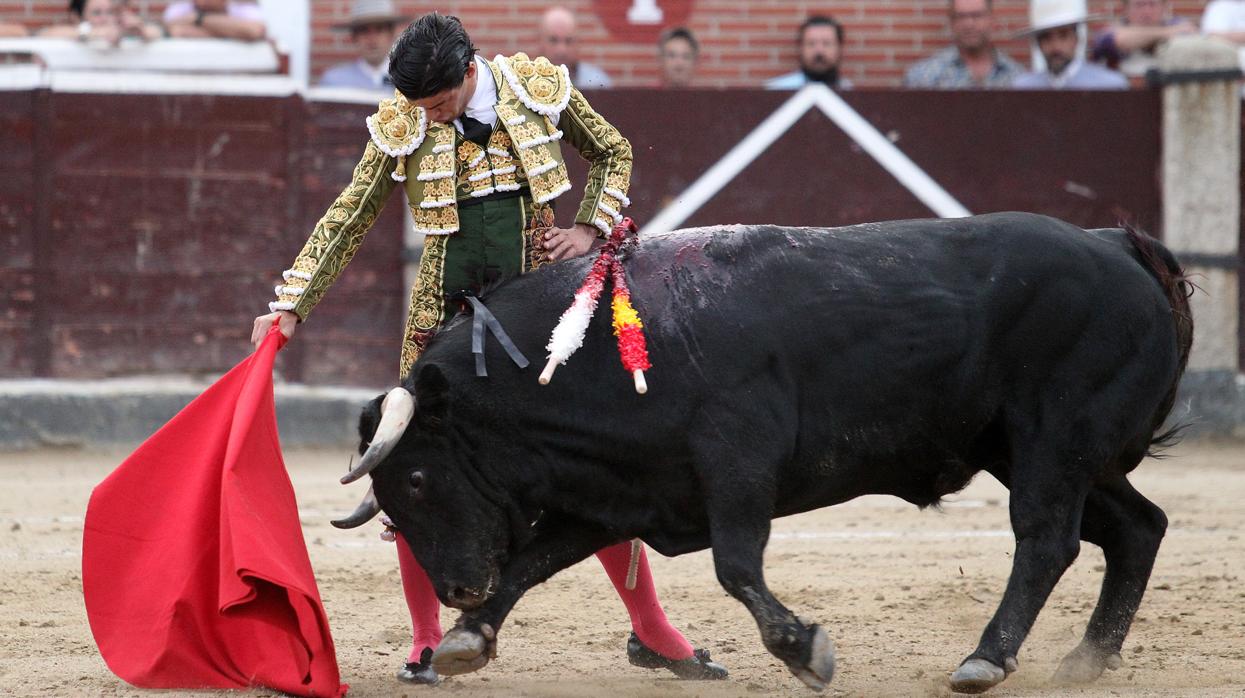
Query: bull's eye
{"type": "Point", "coordinates": [417, 482]}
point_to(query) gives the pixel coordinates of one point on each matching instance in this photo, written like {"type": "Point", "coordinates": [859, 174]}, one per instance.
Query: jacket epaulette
{"type": "Point", "coordinates": [543, 87]}
{"type": "Point", "coordinates": [398, 128]}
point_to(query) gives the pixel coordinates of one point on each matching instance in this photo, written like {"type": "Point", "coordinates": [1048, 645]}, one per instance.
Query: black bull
{"type": "Point", "coordinates": [795, 369]}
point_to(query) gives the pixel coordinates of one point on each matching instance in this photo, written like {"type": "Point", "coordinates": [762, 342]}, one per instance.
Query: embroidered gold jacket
{"type": "Point", "coordinates": [537, 107]}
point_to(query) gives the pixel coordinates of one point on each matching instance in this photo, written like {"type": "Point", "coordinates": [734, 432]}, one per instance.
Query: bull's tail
{"type": "Point", "coordinates": [1162, 264]}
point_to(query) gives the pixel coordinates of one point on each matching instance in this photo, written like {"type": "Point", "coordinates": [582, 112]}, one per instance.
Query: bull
{"type": "Point", "coordinates": [793, 369]}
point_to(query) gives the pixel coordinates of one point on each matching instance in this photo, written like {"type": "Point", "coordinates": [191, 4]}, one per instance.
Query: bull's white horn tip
{"type": "Point", "coordinates": [641, 386]}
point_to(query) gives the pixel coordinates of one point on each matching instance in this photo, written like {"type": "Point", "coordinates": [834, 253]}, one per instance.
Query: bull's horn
{"type": "Point", "coordinates": [367, 509]}
{"type": "Point", "coordinates": [395, 415]}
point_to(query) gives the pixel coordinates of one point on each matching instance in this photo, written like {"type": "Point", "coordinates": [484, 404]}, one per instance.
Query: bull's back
{"type": "Point", "coordinates": [868, 317]}
{"type": "Point", "coordinates": [889, 323]}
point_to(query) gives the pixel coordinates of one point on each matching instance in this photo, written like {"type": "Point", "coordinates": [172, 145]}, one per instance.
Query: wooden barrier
{"type": "Point", "coordinates": [140, 233]}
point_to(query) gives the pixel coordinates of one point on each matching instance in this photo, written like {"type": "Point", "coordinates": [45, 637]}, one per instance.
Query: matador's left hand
{"type": "Point", "coordinates": [564, 243]}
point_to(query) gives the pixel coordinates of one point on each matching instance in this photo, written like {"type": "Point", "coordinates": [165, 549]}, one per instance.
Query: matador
{"type": "Point", "coordinates": [477, 146]}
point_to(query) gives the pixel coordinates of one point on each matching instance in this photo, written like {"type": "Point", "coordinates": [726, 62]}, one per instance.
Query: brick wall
{"type": "Point", "coordinates": [743, 42]}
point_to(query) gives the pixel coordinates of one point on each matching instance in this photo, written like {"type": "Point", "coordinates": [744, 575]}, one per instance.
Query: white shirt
{"type": "Point", "coordinates": [483, 103]}
{"type": "Point", "coordinates": [1223, 16]}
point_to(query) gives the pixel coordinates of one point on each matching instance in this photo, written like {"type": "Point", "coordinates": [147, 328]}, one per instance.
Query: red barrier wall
{"type": "Point", "coordinates": [142, 233]}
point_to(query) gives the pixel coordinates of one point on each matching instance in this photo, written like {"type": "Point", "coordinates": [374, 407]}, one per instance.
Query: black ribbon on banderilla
{"type": "Point", "coordinates": [482, 318]}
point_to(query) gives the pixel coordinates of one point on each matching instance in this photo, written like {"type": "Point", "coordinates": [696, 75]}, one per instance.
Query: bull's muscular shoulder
{"type": "Point", "coordinates": [543, 87]}
{"type": "Point", "coordinates": [398, 127]}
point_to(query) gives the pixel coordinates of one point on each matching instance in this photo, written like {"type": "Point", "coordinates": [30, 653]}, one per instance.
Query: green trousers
{"type": "Point", "coordinates": [496, 240]}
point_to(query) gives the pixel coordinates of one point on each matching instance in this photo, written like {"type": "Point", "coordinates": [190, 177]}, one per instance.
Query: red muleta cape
{"type": "Point", "coordinates": [194, 568]}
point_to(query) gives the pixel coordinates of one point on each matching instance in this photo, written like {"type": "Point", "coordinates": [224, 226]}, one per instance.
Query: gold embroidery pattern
{"type": "Point", "coordinates": [542, 86]}
{"type": "Point", "coordinates": [536, 161]}
{"type": "Point", "coordinates": [337, 235]}
{"type": "Point", "coordinates": [443, 134]}
{"type": "Point", "coordinates": [549, 185]}
{"type": "Point", "coordinates": [501, 140]}
{"type": "Point", "coordinates": [397, 127]}
{"type": "Point", "coordinates": [526, 132]}
{"type": "Point", "coordinates": [474, 170]}
{"type": "Point", "coordinates": [619, 179]}
{"type": "Point", "coordinates": [540, 220]}
{"type": "Point", "coordinates": [427, 303]}
{"type": "Point", "coordinates": [603, 146]}
{"type": "Point", "coordinates": [505, 169]}
{"type": "Point", "coordinates": [439, 189]}
{"type": "Point", "coordinates": [610, 206]}
{"type": "Point", "coordinates": [435, 221]}
{"type": "Point", "coordinates": [435, 164]}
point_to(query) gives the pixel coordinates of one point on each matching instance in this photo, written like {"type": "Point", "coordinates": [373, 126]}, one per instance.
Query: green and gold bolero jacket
{"type": "Point", "coordinates": [537, 109]}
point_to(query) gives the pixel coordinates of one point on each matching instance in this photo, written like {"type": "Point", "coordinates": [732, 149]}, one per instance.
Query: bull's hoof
{"type": "Point", "coordinates": [820, 668]}
{"type": "Point", "coordinates": [1084, 665]}
{"type": "Point", "coordinates": [977, 676]}
{"type": "Point", "coordinates": [461, 651]}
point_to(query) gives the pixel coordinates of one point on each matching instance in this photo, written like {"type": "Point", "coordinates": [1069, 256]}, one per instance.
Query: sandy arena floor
{"type": "Point", "coordinates": [903, 593]}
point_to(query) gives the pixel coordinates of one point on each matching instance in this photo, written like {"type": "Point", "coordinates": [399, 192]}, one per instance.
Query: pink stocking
{"type": "Point", "coordinates": [647, 617]}
{"type": "Point", "coordinates": [421, 601]}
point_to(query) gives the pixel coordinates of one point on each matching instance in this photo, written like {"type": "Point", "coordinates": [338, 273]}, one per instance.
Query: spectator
{"type": "Point", "coordinates": [104, 21]}
{"type": "Point", "coordinates": [372, 26]}
{"type": "Point", "coordinates": [1225, 19]}
{"type": "Point", "coordinates": [1059, 33]}
{"type": "Point", "coordinates": [558, 44]}
{"type": "Point", "coordinates": [8, 30]}
{"type": "Point", "coordinates": [215, 19]}
{"type": "Point", "coordinates": [1129, 45]}
{"type": "Point", "coordinates": [973, 60]}
{"type": "Point", "coordinates": [820, 41]}
{"type": "Point", "coordinates": [677, 52]}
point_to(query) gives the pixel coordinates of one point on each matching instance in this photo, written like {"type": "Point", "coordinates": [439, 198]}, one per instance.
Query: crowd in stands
{"type": "Point", "coordinates": [1069, 48]}
{"type": "Point", "coordinates": [112, 21]}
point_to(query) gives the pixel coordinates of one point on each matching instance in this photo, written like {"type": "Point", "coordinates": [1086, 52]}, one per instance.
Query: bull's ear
{"type": "Point", "coordinates": [368, 421]}
{"type": "Point", "coordinates": [432, 397]}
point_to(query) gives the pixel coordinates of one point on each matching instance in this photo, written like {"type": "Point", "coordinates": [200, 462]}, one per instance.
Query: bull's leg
{"type": "Point", "coordinates": [554, 547]}
{"type": "Point", "coordinates": [1128, 527]}
{"type": "Point", "coordinates": [1048, 494]}
{"type": "Point", "coordinates": [739, 535]}
{"type": "Point", "coordinates": [739, 485]}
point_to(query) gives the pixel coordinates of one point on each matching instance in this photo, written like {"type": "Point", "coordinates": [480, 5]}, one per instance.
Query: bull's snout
{"type": "Point", "coordinates": [465, 598]}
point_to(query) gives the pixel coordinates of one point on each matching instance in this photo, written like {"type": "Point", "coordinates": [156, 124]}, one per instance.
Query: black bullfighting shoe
{"type": "Point", "coordinates": [420, 672]}
{"type": "Point", "coordinates": [697, 667]}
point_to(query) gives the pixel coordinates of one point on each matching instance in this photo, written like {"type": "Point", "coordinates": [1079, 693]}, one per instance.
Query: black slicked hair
{"type": "Point", "coordinates": [430, 56]}
{"type": "Point", "coordinates": [77, 7]}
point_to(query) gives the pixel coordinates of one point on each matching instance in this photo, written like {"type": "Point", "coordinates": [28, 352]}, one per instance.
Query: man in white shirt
{"type": "Point", "coordinates": [1059, 32]}
{"type": "Point", "coordinates": [372, 25]}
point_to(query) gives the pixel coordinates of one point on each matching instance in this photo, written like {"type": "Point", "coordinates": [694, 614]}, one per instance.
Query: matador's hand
{"type": "Point", "coordinates": [259, 330]}
{"type": "Point", "coordinates": [564, 243]}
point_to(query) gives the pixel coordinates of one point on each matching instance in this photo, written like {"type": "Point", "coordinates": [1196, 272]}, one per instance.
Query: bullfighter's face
{"type": "Point", "coordinates": [440, 504]}
{"type": "Point", "coordinates": [449, 104]}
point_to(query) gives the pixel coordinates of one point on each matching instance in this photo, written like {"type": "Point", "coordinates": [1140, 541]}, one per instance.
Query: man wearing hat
{"type": "Point", "coordinates": [372, 25]}
{"type": "Point", "coordinates": [1059, 34]}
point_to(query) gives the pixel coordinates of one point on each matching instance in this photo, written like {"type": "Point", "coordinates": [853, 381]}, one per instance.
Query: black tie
{"type": "Point", "coordinates": [475, 131]}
